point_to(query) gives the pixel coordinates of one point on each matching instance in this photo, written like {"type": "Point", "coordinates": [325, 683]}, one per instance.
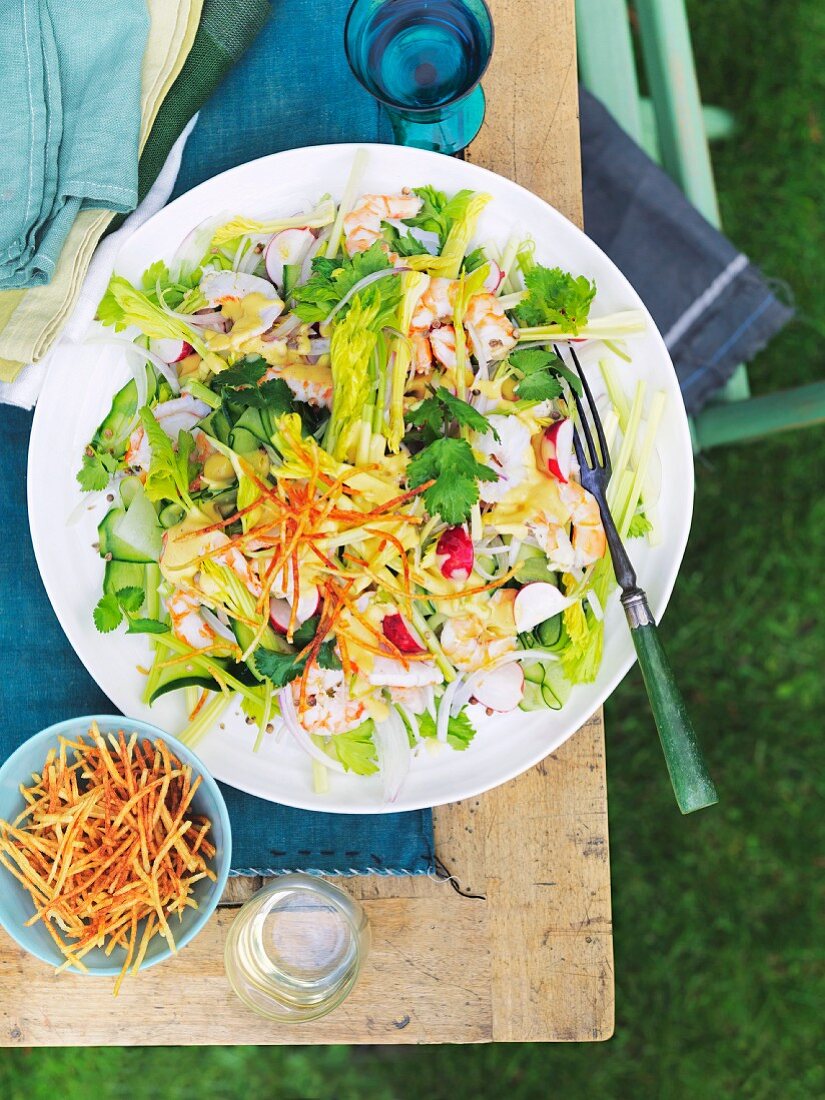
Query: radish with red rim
{"type": "Point", "coordinates": [454, 551]}
{"type": "Point", "coordinates": [556, 449]}
{"type": "Point", "coordinates": [290, 246]}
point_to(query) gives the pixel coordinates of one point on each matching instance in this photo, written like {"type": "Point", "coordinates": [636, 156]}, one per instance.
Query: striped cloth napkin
{"type": "Point", "coordinates": [31, 320]}
{"type": "Point", "coordinates": [69, 119]}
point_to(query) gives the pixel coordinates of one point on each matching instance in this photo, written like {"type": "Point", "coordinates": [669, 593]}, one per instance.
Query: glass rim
{"type": "Point", "coordinates": [419, 110]}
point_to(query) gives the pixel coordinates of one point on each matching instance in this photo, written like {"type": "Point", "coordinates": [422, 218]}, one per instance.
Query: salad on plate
{"type": "Point", "coordinates": [342, 481]}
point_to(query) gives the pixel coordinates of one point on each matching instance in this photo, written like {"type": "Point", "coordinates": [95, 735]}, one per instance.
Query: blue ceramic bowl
{"type": "Point", "coordinates": [15, 903]}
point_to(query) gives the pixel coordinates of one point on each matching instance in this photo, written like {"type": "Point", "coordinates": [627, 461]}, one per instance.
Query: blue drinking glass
{"type": "Point", "coordinates": [423, 60]}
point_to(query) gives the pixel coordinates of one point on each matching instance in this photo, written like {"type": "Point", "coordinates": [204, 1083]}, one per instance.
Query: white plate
{"type": "Point", "coordinates": [78, 393]}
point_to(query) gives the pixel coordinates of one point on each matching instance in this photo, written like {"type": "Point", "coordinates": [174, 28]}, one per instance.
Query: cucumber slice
{"type": "Point", "coordinates": [129, 489]}
{"type": "Point", "coordinates": [132, 534]}
{"type": "Point", "coordinates": [122, 413]}
{"type": "Point", "coordinates": [533, 671]}
{"type": "Point", "coordinates": [549, 632]}
{"type": "Point", "coordinates": [123, 574]}
{"type": "Point", "coordinates": [551, 700]}
{"type": "Point", "coordinates": [218, 425]}
{"type": "Point", "coordinates": [252, 428]}
{"type": "Point", "coordinates": [532, 698]}
{"type": "Point", "coordinates": [177, 676]}
{"type": "Point", "coordinates": [171, 515]}
{"type": "Point", "coordinates": [556, 683]}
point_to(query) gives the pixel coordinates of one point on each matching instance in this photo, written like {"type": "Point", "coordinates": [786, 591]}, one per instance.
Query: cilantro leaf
{"type": "Point", "coordinates": [280, 668]}
{"type": "Point", "coordinates": [248, 372]}
{"type": "Point", "coordinates": [456, 472]}
{"type": "Point", "coordinates": [283, 668]}
{"type": "Point", "coordinates": [96, 471]}
{"type": "Point", "coordinates": [327, 657]}
{"type": "Point", "coordinates": [355, 749]}
{"type": "Point", "coordinates": [147, 626]}
{"type": "Point", "coordinates": [540, 371]}
{"type": "Point", "coordinates": [555, 297]}
{"type": "Point", "coordinates": [130, 598]}
{"type": "Point", "coordinates": [444, 408]}
{"type": "Point", "coordinates": [639, 526]}
{"type": "Point", "coordinates": [460, 730]}
{"type": "Point", "coordinates": [242, 385]}
{"type": "Point", "coordinates": [438, 213]}
{"type": "Point", "coordinates": [306, 631]}
{"type": "Point", "coordinates": [331, 280]}
{"type": "Point", "coordinates": [107, 614]}
{"type": "Point", "coordinates": [539, 387]}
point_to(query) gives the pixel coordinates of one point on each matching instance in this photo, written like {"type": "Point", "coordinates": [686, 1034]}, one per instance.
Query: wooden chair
{"type": "Point", "coordinates": [673, 127]}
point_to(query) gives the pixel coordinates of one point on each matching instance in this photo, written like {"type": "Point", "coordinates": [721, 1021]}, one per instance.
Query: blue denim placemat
{"type": "Point", "coordinates": [45, 682]}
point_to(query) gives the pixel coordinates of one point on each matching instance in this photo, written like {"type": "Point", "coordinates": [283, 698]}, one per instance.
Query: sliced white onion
{"type": "Point", "coordinates": [166, 369]}
{"type": "Point", "coordinates": [282, 329]}
{"type": "Point", "coordinates": [193, 246]}
{"type": "Point", "coordinates": [412, 719]}
{"type": "Point", "coordinates": [366, 281]}
{"type": "Point", "coordinates": [444, 705]}
{"type": "Point", "coordinates": [211, 619]}
{"type": "Point", "coordinates": [595, 605]}
{"type": "Point", "coordinates": [290, 717]}
{"type": "Point", "coordinates": [393, 747]}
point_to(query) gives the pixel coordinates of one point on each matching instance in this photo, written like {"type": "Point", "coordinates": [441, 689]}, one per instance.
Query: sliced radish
{"type": "Point", "coordinates": [169, 350]}
{"type": "Point", "coordinates": [280, 611]}
{"type": "Point", "coordinates": [454, 551]}
{"type": "Point", "coordinates": [556, 449]}
{"type": "Point", "coordinates": [500, 689]}
{"type": "Point", "coordinates": [535, 603]}
{"type": "Point", "coordinates": [290, 246]}
{"type": "Point", "coordinates": [494, 278]}
{"type": "Point", "coordinates": [398, 631]}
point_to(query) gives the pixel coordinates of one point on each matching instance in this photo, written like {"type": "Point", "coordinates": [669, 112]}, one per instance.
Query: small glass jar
{"type": "Point", "coordinates": [295, 949]}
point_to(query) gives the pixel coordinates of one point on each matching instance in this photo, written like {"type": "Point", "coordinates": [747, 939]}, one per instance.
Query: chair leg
{"type": "Point", "coordinates": [739, 421]}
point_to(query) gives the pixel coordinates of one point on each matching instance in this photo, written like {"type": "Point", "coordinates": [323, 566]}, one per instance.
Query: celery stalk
{"type": "Point", "coordinates": [207, 715]}
{"type": "Point", "coordinates": [347, 199]}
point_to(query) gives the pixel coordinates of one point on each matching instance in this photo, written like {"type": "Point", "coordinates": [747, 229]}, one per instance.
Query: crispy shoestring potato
{"type": "Point", "coordinates": [107, 845]}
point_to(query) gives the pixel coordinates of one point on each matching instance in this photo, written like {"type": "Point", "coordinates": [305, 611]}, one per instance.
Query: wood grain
{"type": "Point", "coordinates": [529, 957]}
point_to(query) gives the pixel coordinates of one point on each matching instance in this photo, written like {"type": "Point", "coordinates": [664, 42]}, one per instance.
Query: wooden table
{"type": "Point", "coordinates": [524, 952]}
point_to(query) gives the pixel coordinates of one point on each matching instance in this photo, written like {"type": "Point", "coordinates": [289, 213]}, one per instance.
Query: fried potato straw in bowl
{"type": "Point", "coordinates": [107, 845]}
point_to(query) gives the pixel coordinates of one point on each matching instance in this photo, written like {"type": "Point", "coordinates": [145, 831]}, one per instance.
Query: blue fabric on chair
{"type": "Point", "coordinates": [713, 307]}
{"type": "Point", "coordinates": [284, 93]}
{"type": "Point", "coordinates": [45, 682]}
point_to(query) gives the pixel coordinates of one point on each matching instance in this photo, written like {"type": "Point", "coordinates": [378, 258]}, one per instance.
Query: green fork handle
{"type": "Point", "coordinates": [692, 784]}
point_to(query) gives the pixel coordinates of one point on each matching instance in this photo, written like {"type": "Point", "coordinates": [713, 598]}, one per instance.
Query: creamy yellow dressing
{"type": "Point", "coordinates": [246, 313]}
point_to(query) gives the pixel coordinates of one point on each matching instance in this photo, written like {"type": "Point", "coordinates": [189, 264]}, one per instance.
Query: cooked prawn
{"type": "Point", "coordinates": [187, 624]}
{"type": "Point", "coordinates": [510, 456]}
{"type": "Point", "coordinates": [486, 320]}
{"type": "Point", "coordinates": [491, 334]}
{"type": "Point", "coordinates": [362, 225]}
{"type": "Point", "coordinates": [330, 708]}
{"type": "Point", "coordinates": [483, 634]}
{"type": "Point", "coordinates": [311, 383]}
{"type": "Point", "coordinates": [585, 543]}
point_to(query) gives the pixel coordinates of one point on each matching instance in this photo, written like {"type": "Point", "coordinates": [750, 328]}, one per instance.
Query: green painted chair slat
{"type": "Point", "coordinates": [674, 129]}
{"type": "Point", "coordinates": [606, 62]}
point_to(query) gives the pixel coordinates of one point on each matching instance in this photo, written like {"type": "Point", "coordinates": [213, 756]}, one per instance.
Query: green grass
{"type": "Point", "coordinates": [718, 958]}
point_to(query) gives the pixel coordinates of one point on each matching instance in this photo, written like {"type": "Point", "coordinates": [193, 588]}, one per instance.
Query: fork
{"type": "Point", "coordinates": [692, 784]}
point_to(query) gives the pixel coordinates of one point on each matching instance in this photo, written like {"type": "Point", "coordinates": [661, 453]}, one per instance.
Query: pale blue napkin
{"type": "Point", "coordinates": [70, 119]}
